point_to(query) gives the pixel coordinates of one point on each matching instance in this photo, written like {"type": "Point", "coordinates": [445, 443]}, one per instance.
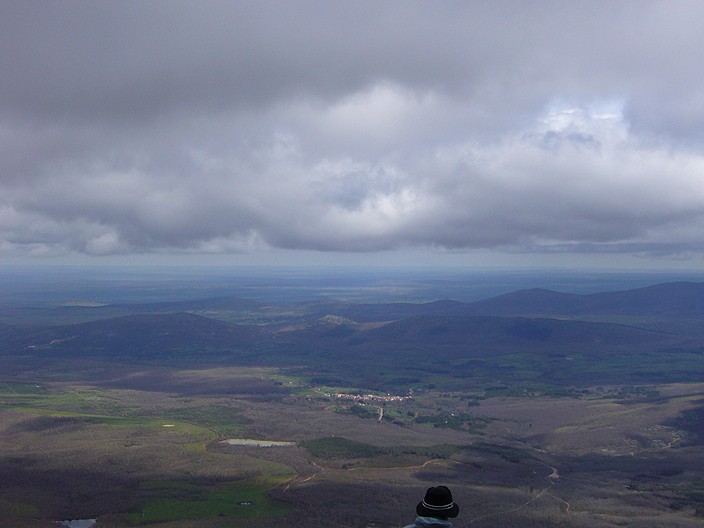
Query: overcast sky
{"type": "Point", "coordinates": [469, 131]}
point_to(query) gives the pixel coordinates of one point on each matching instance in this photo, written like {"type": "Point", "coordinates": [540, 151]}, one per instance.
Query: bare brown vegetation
{"type": "Point", "coordinates": [80, 450]}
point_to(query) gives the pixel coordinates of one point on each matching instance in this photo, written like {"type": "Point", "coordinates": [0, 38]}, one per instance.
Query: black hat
{"type": "Point", "coordinates": [438, 503]}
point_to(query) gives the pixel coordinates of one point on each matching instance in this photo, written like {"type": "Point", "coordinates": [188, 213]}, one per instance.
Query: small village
{"type": "Point", "coordinates": [367, 398]}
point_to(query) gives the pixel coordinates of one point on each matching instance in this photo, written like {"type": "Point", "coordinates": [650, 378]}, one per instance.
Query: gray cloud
{"type": "Point", "coordinates": [132, 127]}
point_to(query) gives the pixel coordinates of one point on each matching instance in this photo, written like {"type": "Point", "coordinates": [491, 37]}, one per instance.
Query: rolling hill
{"type": "Point", "coordinates": [675, 300]}
{"type": "Point", "coordinates": [670, 300]}
{"type": "Point", "coordinates": [143, 336]}
{"type": "Point", "coordinates": [371, 344]}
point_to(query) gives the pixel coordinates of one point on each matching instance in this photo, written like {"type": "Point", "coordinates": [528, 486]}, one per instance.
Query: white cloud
{"type": "Point", "coordinates": [105, 244]}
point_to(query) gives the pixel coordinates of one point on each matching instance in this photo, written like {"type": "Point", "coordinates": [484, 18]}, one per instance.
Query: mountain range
{"type": "Point", "coordinates": [529, 336]}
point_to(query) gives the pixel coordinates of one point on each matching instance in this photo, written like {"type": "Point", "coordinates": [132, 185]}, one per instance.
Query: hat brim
{"type": "Point", "coordinates": [450, 513]}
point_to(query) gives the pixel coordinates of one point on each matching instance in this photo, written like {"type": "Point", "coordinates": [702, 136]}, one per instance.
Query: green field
{"type": "Point", "coordinates": [172, 501]}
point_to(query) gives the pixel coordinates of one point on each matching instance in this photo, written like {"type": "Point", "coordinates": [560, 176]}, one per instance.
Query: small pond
{"type": "Point", "coordinates": [78, 523]}
{"type": "Point", "coordinates": [257, 443]}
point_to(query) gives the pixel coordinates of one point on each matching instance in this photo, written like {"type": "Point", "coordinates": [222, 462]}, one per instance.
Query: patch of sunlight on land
{"type": "Point", "coordinates": [177, 500]}
{"type": "Point", "coordinates": [229, 373]}
{"type": "Point", "coordinates": [85, 401]}
{"type": "Point", "coordinates": [203, 433]}
{"type": "Point", "coordinates": [17, 508]}
{"type": "Point", "coordinates": [17, 389]}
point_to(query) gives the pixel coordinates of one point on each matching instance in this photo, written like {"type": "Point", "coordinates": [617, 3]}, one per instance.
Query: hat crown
{"type": "Point", "coordinates": [438, 503]}
{"type": "Point", "coordinates": [439, 498]}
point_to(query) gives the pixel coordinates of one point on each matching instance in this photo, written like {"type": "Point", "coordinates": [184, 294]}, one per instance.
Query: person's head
{"type": "Point", "coordinates": [438, 503]}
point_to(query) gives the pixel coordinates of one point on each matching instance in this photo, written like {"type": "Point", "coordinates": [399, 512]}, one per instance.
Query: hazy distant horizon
{"type": "Point", "coordinates": [153, 283]}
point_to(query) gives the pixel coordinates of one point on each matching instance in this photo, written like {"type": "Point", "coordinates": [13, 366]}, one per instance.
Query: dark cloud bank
{"type": "Point", "coordinates": [217, 127]}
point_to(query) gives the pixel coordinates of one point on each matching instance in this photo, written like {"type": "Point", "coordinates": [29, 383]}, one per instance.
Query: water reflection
{"type": "Point", "coordinates": [78, 523]}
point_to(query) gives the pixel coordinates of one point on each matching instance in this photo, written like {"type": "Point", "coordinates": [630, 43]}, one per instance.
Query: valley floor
{"type": "Point", "coordinates": [136, 455]}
